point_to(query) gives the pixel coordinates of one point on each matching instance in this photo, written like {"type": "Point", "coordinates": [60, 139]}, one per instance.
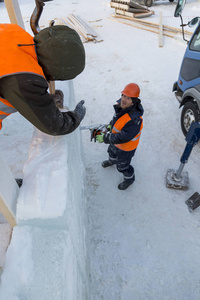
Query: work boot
{"type": "Point", "coordinates": [106, 163]}
{"type": "Point", "coordinates": [124, 185]}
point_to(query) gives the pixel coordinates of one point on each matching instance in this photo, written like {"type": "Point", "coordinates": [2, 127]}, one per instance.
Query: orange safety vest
{"type": "Point", "coordinates": [18, 55]}
{"type": "Point", "coordinates": [17, 51]}
{"type": "Point", "coordinates": [118, 126]}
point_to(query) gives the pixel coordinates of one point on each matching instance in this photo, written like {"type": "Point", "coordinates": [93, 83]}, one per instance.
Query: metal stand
{"type": "Point", "coordinates": [179, 179]}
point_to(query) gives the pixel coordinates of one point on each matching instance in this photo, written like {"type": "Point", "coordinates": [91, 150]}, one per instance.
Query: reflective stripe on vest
{"type": "Point", "coordinates": [5, 110]}
{"type": "Point", "coordinates": [17, 50]}
{"type": "Point", "coordinates": [118, 126]}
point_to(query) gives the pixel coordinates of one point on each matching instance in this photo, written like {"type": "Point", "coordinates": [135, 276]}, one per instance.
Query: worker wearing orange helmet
{"type": "Point", "coordinates": [124, 135]}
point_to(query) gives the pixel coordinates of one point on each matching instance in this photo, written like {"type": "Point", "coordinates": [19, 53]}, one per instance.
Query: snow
{"type": "Point", "coordinates": [143, 242]}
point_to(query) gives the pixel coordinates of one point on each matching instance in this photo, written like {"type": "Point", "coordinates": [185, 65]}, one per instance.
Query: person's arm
{"type": "Point", "coordinates": [35, 103]}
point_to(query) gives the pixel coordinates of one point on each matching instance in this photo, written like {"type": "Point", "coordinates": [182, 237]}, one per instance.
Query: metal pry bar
{"type": "Point", "coordinates": [34, 20]}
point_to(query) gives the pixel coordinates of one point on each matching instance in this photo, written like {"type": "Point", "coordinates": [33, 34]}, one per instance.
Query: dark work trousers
{"type": "Point", "coordinates": [122, 159]}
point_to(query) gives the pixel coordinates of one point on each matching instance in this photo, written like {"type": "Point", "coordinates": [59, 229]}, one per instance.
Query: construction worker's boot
{"type": "Point", "coordinates": [124, 185]}
{"type": "Point", "coordinates": [106, 163]}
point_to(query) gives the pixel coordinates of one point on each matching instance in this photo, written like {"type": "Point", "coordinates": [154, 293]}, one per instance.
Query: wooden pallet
{"type": "Point", "coordinates": [123, 2]}
{"type": "Point", "coordinates": [134, 15]}
{"type": "Point", "coordinates": [130, 9]}
{"type": "Point", "coordinates": [129, 3]}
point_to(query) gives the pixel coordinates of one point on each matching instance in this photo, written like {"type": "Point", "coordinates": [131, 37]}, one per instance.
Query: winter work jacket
{"type": "Point", "coordinates": [23, 86]}
{"type": "Point", "coordinates": [16, 57]}
{"type": "Point", "coordinates": [126, 126]}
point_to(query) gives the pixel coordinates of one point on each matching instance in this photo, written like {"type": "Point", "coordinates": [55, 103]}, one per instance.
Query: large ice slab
{"type": "Point", "coordinates": [43, 264]}
{"type": "Point", "coordinates": [47, 257]}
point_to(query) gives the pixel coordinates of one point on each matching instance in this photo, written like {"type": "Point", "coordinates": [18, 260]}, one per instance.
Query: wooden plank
{"type": "Point", "coordinates": [78, 25]}
{"type": "Point", "coordinates": [90, 30]}
{"type": "Point", "coordinates": [136, 26]}
{"type": "Point", "coordinates": [14, 12]}
{"type": "Point", "coordinates": [84, 30]}
{"type": "Point", "coordinates": [9, 191]}
{"type": "Point", "coordinates": [174, 29]}
{"type": "Point", "coordinates": [72, 25]}
{"type": "Point", "coordinates": [141, 27]}
{"type": "Point", "coordinates": [160, 30]}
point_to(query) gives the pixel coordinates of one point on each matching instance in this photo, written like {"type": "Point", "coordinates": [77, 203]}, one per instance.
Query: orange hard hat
{"type": "Point", "coordinates": [131, 90]}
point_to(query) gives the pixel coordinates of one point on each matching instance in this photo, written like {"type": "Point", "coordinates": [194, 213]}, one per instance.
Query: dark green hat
{"type": "Point", "coordinates": [60, 52]}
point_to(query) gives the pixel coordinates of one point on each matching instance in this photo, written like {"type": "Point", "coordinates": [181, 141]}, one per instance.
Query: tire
{"type": "Point", "coordinates": [148, 3]}
{"type": "Point", "coordinates": [190, 113]}
{"type": "Point", "coordinates": [171, 0]}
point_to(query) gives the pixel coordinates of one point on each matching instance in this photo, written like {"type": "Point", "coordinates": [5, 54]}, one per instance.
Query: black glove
{"type": "Point", "coordinates": [80, 110]}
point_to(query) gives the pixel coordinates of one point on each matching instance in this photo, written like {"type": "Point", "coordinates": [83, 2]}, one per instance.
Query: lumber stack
{"type": "Point", "coordinates": [150, 26]}
{"type": "Point", "coordinates": [86, 32]}
{"type": "Point", "coordinates": [130, 9]}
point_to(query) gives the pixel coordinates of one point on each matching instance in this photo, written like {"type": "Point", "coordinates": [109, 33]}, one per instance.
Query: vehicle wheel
{"type": "Point", "coordinates": [148, 3]}
{"type": "Point", "coordinates": [189, 114]}
{"type": "Point", "coordinates": [171, 0]}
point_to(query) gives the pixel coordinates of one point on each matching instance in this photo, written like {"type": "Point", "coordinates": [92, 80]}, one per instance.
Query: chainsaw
{"type": "Point", "coordinates": [96, 129]}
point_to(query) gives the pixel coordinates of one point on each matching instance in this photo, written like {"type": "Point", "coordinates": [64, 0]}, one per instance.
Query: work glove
{"type": "Point", "coordinates": [103, 138]}
{"type": "Point", "coordinates": [99, 137]}
{"type": "Point", "coordinates": [80, 110]}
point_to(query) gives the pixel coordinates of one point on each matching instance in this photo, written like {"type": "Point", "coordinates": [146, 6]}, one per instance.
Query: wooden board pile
{"type": "Point", "coordinates": [86, 32]}
{"type": "Point", "coordinates": [130, 9]}
{"type": "Point", "coordinates": [151, 26]}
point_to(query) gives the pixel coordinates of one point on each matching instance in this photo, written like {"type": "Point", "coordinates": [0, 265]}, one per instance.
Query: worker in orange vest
{"type": "Point", "coordinates": [124, 135]}
{"type": "Point", "coordinates": [28, 64]}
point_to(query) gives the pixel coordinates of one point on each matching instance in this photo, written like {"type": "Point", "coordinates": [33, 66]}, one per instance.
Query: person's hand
{"type": "Point", "coordinates": [80, 110]}
{"type": "Point", "coordinates": [99, 138]}
{"type": "Point", "coordinates": [109, 127]}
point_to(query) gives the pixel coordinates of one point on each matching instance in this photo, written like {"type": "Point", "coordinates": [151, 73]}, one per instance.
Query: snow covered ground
{"type": "Point", "coordinates": [144, 243]}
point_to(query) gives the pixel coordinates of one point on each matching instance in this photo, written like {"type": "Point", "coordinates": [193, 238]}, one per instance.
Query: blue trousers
{"type": "Point", "coordinates": [122, 159]}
